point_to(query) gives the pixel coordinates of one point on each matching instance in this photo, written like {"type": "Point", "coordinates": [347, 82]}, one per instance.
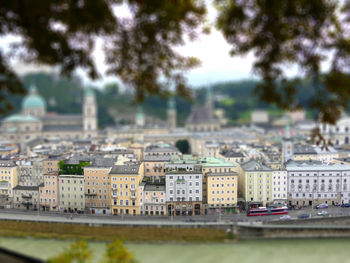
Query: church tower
{"type": "Point", "coordinates": [171, 114]}
{"type": "Point", "coordinates": [287, 146]}
{"type": "Point", "coordinates": [140, 117]}
{"type": "Point", "coordinates": [209, 101]}
{"type": "Point", "coordinates": [89, 114]}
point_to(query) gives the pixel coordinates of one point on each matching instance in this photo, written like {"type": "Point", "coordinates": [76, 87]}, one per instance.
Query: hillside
{"type": "Point", "coordinates": [236, 98]}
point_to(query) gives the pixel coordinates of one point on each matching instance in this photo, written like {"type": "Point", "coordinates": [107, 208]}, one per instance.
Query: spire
{"type": "Point", "coordinates": [171, 104]}
{"type": "Point", "coordinates": [89, 92]}
{"type": "Point", "coordinates": [33, 89]}
{"type": "Point", "coordinates": [209, 99]}
{"type": "Point", "coordinates": [287, 134]}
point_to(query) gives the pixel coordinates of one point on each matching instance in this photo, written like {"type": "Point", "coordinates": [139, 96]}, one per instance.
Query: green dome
{"type": "Point", "coordinates": [20, 118]}
{"type": "Point", "coordinates": [33, 100]}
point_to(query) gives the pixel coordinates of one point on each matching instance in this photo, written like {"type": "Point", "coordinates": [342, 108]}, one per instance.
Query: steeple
{"type": "Point", "coordinates": [139, 117]}
{"type": "Point", "coordinates": [89, 113]}
{"type": "Point", "coordinates": [171, 113]}
{"type": "Point", "coordinates": [287, 145]}
{"type": "Point", "coordinates": [209, 102]}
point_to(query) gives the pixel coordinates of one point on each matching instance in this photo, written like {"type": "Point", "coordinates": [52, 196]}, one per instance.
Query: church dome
{"type": "Point", "coordinates": [33, 100]}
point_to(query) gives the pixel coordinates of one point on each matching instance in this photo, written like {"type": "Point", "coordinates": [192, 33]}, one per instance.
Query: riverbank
{"type": "Point", "coordinates": [110, 233]}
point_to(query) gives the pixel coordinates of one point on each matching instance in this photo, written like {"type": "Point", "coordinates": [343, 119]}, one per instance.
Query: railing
{"type": "Point", "coordinates": [90, 194]}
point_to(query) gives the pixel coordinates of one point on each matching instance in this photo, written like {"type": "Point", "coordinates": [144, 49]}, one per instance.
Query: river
{"type": "Point", "coordinates": [272, 251]}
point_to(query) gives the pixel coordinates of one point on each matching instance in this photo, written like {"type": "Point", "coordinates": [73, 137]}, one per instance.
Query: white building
{"type": "Point", "coordinates": [339, 134]}
{"type": "Point", "coordinates": [184, 188]}
{"type": "Point", "coordinates": [314, 182]}
{"type": "Point", "coordinates": [279, 186]}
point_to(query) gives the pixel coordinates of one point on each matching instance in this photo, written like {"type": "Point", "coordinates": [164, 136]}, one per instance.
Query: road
{"type": "Point", "coordinates": [12, 214]}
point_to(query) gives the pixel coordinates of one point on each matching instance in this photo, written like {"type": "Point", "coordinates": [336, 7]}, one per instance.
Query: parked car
{"type": "Point", "coordinates": [345, 205]}
{"type": "Point", "coordinates": [285, 217]}
{"type": "Point", "coordinates": [321, 206]}
{"type": "Point", "coordinates": [303, 216]}
{"type": "Point", "coordinates": [322, 213]}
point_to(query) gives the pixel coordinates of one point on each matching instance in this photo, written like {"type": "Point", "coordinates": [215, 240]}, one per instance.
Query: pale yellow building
{"type": "Point", "coordinates": [220, 184]}
{"type": "Point", "coordinates": [125, 180]}
{"type": "Point", "coordinates": [8, 180]}
{"type": "Point", "coordinates": [97, 187]}
{"type": "Point", "coordinates": [255, 182]}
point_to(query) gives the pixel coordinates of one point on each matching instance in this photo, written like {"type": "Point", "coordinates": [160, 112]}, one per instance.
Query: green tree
{"type": "Point", "coordinates": [118, 253]}
{"type": "Point", "coordinates": [77, 253]}
{"type": "Point", "coordinates": [183, 146]}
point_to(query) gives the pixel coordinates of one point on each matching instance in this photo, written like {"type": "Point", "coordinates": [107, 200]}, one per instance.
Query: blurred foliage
{"type": "Point", "coordinates": [183, 146]}
{"type": "Point", "coordinates": [139, 49]}
{"type": "Point", "coordinates": [76, 169]}
{"type": "Point", "coordinates": [304, 33]}
{"type": "Point", "coordinates": [118, 253]}
{"type": "Point", "coordinates": [77, 253]}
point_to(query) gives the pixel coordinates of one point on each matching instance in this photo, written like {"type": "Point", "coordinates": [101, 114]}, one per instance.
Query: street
{"type": "Point", "coordinates": [13, 214]}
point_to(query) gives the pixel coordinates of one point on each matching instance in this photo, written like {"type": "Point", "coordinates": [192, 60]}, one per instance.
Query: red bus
{"type": "Point", "coordinates": [264, 211]}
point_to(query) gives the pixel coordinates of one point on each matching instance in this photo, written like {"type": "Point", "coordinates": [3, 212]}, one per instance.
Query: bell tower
{"type": "Point", "coordinates": [89, 114]}
{"type": "Point", "coordinates": [171, 114]}
{"type": "Point", "coordinates": [287, 146]}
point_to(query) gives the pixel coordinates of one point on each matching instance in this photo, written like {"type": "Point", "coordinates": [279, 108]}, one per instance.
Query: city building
{"type": "Point", "coordinates": [97, 186]}
{"type": "Point", "coordinates": [35, 122]}
{"type": "Point", "coordinates": [9, 180]}
{"type": "Point", "coordinates": [314, 182]}
{"type": "Point", "coordinates": [49, 192]}
{"type": "Point", "coordinates": [71, 193]}
{"type": "Point", "coordinates": [152, 198]}
{"type": "Point", "coordinates": [339, 133]}
{"type": "Point", "coordinates": [155, 166]}
{"type": "Point", "coordinates": [280, 186]}
{"type": "Point", "coordinates": [51, 164]}
{"type": "Point", "coordinates": [125, 180]}
{"type": "Point", "coordinates": [256, 182]}
{"type": "Point", "coordinates": [202, 118]}
{"type": "Point", "coordinates": [30, 173]}
{"type": "Point", "coordinates": [184, 184]}
{"type": "Point", "coordinates": [26, 197]}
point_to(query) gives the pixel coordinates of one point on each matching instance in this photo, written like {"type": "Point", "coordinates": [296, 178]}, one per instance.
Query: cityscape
{"type": "Point", "coordinates": [174, 131]}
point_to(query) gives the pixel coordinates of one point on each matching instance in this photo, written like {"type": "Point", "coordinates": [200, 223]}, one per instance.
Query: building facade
{"type": "Point", "coordinates": [152, 198]}
{"type": "Point", "coordinates": [71, 193]}
{"type": "Point", "coordinates": [313, 182]}
{"type": "Point", "coordinates": [9, 180]}
{"type": "Point", "coordinates": [49, 192]}
{"type": "Point", "coordinates": [184, 187]}
{"type": "Point", "coordinates": [125, 181]}
{"type": "Point", "coordinates": [256, 182]}
{"type": "Point", "coordinates": [97, 188]}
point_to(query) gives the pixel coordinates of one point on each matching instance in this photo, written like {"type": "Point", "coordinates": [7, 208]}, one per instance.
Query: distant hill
{"type": "Point", "coordinates": [236, 98]}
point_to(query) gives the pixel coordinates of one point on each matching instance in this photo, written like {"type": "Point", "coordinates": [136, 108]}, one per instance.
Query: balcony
{"type": "Point", "coordinates": [26, 196]}
{"type": "Point", "coordinates": [26, 203]}
{"type": "Point", "coordinates": [133, 196]}
{"type": "Point", "coordinates": [90, 194]}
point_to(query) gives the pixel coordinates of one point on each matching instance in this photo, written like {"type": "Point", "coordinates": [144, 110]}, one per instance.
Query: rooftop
{"type": "Point", "coordinates": [254, 165]}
